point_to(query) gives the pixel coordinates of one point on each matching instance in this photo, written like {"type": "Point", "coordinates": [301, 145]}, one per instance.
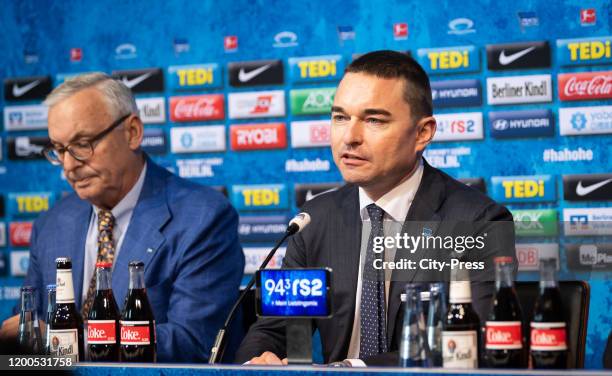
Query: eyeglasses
{"type": "Point", "coordinates": [80, 150]}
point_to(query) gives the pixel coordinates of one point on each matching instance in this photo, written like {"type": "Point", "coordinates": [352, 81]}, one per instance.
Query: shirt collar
{"type": "Point", "coordinates": [128, 203]}
{"type": "Point", "coordinates": [396, 202]}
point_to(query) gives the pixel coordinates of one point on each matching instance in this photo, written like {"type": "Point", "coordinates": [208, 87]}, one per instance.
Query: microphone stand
{"type": "Point", "coordinates": [219, 346]}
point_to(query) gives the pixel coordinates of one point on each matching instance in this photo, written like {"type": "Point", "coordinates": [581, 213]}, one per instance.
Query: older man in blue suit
{"type": "Point", "coordinates": [185, 234]}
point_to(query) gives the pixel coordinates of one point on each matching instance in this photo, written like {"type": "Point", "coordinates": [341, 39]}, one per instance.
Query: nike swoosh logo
{"type": "Point", "coordinates": [310, 195]}
{"type": "Point", "coordinates": [19, 91]}
{"type": "Point", "coordinates": [136, 80]}
{"type": "Point", "coordinates": [583, 191]}
{"type": "Point", "coordinates": [248, 76]}
{"type": "Point", "coordinates": [507, 59]}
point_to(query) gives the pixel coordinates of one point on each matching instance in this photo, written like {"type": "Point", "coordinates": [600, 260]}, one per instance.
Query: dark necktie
{"type": "Point", "coordinates": [373, 317]}
{"type": "Point", "coordinates": [106, 253]}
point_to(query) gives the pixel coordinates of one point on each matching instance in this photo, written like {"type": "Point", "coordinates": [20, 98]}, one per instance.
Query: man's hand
{"type": "Point", "coordinates": [267, 358]}
{"type": "Point", "coordinates": [9, 328]}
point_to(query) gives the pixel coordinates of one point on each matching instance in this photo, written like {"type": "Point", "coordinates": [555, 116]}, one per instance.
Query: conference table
{"type": "Point", "coordinates": [99, 369]}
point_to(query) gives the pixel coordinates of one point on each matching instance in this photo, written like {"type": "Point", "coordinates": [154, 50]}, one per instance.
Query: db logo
{"type": "Point", "coordinates": [20, 233]}
{"type": "Point", "coordinates": [197, 108]}
{"type": "Point", "coordinates": [320, 134]}
{"type": "Point", "coordinates": [528, 257]}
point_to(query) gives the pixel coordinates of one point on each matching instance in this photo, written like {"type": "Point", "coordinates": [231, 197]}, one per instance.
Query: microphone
{"type": "Point", "coordinates": [297, 224]}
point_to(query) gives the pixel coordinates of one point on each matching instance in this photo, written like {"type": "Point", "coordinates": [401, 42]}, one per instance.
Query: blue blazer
{"type": "Point", "coordinates": [186, 235]}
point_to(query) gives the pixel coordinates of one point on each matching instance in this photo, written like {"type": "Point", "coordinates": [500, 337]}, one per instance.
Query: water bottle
{"type": "Point", "coordinates": [435, 321]}
{"type": "Point", "coordinates": [49, 317]}
{"type": "Point", "coordinates": [29, 338]}
{"type": "Point", "coordinates": [413, 346]}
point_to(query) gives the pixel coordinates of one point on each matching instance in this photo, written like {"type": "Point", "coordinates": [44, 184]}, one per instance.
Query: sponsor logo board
{"type": "Point", "coordinates": [585, 86]}
{"type": "Point", "coordinates": [260, 197]}
{"type": "Point", "coordinates": [258, 136]}
{"type": "Point", "coordinates": [315, 68]}
{"type": "Point", "coordinates": [310, 133]}
{"type": "Point", "coordinates": [149, 80]}
{"type": "Point", "coordinates": [530, 254]}
{"type": "Point", "coordinates": [459, 126]}
{"type": "Point", "coordinates": [306, 192]}
{"type": "Point", "coordinates": [25, 118]}
{"type": "Point", "coordinates": [152, 110]}
{"type": "Point", "coordinates": [312, 101]}
{"type": "Point", "coordinates": [256, 229]}
{"type": "Point", "coordinates": [449, 59]}
{"type": "Point", "coordinates": [534, 188]}
{"type": "Point", "coordinates": [197, 108]}
{"type": "Point", "coordinates": [522, 55]}
{"type": "Point", "coordinates": [585, 120]}
{"type": "Point", "coordinates": [589, 257]}
{"type": "Point", "coordinates": [254, 73]}
{"type": "Point", "coordinates": [26, 147]}
{"type": "Point", "coordinates": [194, 77]}
{"type": "Point", "coordinates": [154, 141]}
{"type": "Point", "coordinates": [519, 89]}
{"type": "Point", "coordinates": [584, 51]}
{"type": "Point", "coordinates": [587, 221]}
{"type": "Point", "coordinates": [26, 88]}
{"type": "Point", "coordinates": [198, 139]}
{"type": "Point", "coordinates": [20, 233]}
{"type": "Point", "coordinates": [20, 261]}
{"type": "Point", "coordinates": [256, 104]}
{"type": "Point", "coordinates": [524, 123]}
{"type": "Point", "coordinates": [587, 187]}
{"type": "Point", "coordinates": [254, 256]}
{"type": "Point", "coordinates": [456, 93]}
{"type": "Point", "coordinates": [535, 222]}
{"type": "Point", "coordinates": [30, 204]}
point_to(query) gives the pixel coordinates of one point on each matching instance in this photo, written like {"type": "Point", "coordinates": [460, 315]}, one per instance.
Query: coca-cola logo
{"type": "Point", "coordinates": [548, 338]}
{"type": "Point", "coordinates": [135, 334]}
{"type": "Point", "coordinates": [195, 108]}
{"type": "Point", "coordinates": [502, 335]}
{"type": "Point", "coordinates": [578, 86]}
{"type": "Point", "coordinates": [498, 336]}
{"type": "Point", "coordinates": [20, 233]}
{"type": "Point", "coordinates": [94, 333]}
{"type": "Point", "coordinates": [101, 331]}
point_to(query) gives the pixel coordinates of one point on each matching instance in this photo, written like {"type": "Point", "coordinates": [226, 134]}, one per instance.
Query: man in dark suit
{"type": "Point", "coordinates": [185, 234]}
{"type": "Point", "coordinates": [381, 123]}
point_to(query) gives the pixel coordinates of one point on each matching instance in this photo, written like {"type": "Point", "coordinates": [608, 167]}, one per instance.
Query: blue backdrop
{"type": "Point", "coordinates": [57, 39]}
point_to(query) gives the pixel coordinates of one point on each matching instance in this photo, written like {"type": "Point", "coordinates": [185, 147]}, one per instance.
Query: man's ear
{"type": "Point", "coordinates": [426, 129]}
{"type": "Point", "coordinates": [134, 131]}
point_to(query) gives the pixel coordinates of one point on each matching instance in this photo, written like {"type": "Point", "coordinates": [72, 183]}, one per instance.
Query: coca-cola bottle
{"type": "Point", "coordinates": [548, 337]}
{"type": "Point", "coordinates": [137, 321]}
{"type": "Point", "coordinates": [460, 339]}
{"type": "Point", "coordinates": [103, 320]}
{"type": "Point", "coordinates": [504, 342]}
{"type": "Point", "coordinates": [66, 329]}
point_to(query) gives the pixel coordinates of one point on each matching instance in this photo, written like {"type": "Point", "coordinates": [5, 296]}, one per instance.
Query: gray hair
{"type": "Point", "coordinates": [118, 97]}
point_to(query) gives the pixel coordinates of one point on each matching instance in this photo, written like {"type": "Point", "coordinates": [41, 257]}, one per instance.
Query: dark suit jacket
{"type": "Point", "coordinates": [333, 240]}
{"type": "Point", "coordinates": [185, 234]}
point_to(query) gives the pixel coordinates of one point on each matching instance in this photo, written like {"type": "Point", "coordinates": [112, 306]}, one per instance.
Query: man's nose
{"type": "Point", "coordinates": [70, 163]}
{"type": "Point", "coordinates": [353, 134]}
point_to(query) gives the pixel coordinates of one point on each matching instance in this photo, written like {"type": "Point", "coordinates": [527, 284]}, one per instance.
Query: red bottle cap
{"type": "Point", "coordinates": [103, 265]}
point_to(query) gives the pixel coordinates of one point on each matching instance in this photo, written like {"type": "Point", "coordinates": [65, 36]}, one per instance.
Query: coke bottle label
{"type": "Point", "coordinates": [503, 335]}
{"type": "Point", "coordinates": [64, 342]}
{"type": "Point", "coordinates": [460, 349]}
{"type": "Point", "coordinates": [101, 332]}
{"type": "Point", "coordinates": [135, 333]}
{"type": "Point", "coordinates": [548, 336]}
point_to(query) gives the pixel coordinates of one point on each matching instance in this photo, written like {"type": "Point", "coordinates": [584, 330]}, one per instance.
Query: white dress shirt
{"type": "Point", "coordinates": [396, 204]}
{"type": "Point", "coordinates": [123, 214]}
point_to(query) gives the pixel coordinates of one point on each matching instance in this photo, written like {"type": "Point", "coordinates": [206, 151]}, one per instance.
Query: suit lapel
{"type": "Point", "coordinates": [423, 213]}
{"type": "Point", "coordinates": [75, 220]}
{"type": "Point", "coordinates": [345, 256]}
{"type": "Point", "coordinates": [143, 237]}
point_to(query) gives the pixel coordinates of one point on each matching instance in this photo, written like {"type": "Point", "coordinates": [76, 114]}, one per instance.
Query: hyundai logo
{"type": "Point", "coordinates": [500, 124]}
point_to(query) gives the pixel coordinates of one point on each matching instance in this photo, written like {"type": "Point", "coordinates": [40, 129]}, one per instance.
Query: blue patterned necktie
{"type": "Point", "coordinates": [373, 316]}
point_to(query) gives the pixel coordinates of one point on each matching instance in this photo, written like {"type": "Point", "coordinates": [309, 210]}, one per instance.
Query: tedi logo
{"type": "Point", "coordinates": [524, 188]}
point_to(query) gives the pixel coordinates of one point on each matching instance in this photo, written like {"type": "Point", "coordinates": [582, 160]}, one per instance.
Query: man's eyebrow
{"type": "Point", "coordinates": [337, 109]}
{"type": "Point", "coordinates": [77, 136]}
{"type": "Point", "coordinates": [376, 111]}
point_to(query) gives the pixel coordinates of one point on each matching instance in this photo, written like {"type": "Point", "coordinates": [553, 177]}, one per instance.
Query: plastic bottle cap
{"type": "Point", "coordinates": [503, 259]}
{"type": "Point", "coordinates": [103, 265]}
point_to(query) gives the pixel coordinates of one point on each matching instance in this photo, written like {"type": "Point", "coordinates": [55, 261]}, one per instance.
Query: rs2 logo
{"type": "Point", "coordinates": [457, 126]}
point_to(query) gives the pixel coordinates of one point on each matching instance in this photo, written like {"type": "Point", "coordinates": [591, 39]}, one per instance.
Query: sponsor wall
{"type": "Point", "coordinates": [522, 99]}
